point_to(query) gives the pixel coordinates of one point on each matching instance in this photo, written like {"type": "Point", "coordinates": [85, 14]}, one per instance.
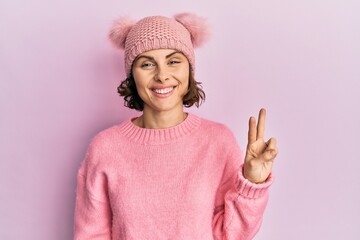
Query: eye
{"type": "Point", "coordinates": [147, 65]}
{"type": "Point", "coordinates": [173, 62]}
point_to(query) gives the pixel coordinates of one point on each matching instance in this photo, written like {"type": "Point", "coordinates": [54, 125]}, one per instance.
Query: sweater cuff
{"type": "Point", "coordinates": [252, 190]}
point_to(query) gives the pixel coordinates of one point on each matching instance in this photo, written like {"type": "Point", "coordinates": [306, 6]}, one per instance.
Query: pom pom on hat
{"type": "Point", "coordinates": [120, 30]}
{"type": "Point", "coordinates": [196, 25]}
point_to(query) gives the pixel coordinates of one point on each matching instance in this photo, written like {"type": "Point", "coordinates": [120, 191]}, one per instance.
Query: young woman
{"type": "Point", "coordinates": [169, 174]}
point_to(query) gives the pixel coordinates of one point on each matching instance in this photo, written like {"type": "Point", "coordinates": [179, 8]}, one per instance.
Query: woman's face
{"type": "Point", "coordinates": [162, 79]}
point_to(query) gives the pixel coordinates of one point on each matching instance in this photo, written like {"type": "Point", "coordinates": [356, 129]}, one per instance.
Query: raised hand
{"type": "Point", "coordinates": [260, 155]}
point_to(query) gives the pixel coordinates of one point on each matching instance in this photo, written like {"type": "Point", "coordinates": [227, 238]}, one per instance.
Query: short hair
{"type": "Point", "coordinates": [127, 89]}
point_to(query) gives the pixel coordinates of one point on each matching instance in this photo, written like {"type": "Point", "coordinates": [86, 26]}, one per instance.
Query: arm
{"type": "Point", "coordinates": [241, 200]}
{"type": "Point", "coordinates": [92, 210]}
{"type": "Point", "coordinates": [240, 205]}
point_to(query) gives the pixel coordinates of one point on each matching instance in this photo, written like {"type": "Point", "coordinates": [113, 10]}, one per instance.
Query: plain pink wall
{"type": "Point", "coordinates": [299, 59]}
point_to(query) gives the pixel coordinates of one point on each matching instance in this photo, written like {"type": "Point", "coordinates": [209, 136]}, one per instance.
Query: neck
{"type": "Point", "coordinates": [157, 120]}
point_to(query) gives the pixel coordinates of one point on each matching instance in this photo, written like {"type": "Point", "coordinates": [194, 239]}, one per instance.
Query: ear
{"type": "Point", "coordinates": [196, 25]}
{"type": "Point", "coordinates": [120, 30]}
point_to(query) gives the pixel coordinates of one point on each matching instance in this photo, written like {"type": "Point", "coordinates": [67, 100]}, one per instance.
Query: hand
{"type": "Point", "coordinates": [260, 155]}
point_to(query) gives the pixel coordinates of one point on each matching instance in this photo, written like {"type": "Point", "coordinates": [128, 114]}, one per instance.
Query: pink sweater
{"type": "Point", "coordinates": [183, 183]}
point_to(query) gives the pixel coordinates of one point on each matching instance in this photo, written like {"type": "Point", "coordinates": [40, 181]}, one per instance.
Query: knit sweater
{"type": "Point", "coordinates": [183, 182]}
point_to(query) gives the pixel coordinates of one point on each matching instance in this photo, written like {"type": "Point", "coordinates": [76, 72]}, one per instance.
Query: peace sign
{"type": "Point", "coordinates": [260, 155]}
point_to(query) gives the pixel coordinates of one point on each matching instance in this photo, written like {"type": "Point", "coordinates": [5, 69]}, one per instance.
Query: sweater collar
{"type": "Point", "coordinates": [159, 136]}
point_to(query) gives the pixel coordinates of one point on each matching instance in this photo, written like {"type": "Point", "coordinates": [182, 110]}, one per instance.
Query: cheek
{"type": "Point", "coordinates": [140, 80]}
{"type": "Point", "coordinates": [183, 76]}
{"type": "Point", "coordinates": [186, 80]}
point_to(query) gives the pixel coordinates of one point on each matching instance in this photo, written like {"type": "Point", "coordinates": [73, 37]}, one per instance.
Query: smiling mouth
{"type": "Point", "coordinates": [163, 90]}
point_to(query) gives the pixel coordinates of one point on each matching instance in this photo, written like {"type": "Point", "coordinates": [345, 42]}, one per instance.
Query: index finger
{"type": "Point", "coordinates": [252, 130]}
{"type": "Point", "coordinates": [261, 124]}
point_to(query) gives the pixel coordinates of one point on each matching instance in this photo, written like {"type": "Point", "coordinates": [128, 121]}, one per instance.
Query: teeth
{"type": "Point", "coordinates": [163, 90]}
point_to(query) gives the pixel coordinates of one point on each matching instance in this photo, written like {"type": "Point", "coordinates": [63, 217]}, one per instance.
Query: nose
{"type": "Point", "coordinates": [162, 74]}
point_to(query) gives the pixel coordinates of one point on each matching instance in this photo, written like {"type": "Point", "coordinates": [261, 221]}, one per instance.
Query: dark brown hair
{"type": "Point", "coordinates": [127, 89]}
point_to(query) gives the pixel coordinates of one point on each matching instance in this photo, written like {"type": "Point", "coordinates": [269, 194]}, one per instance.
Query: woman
{"type": "Point", "coordinates": [169, 174]}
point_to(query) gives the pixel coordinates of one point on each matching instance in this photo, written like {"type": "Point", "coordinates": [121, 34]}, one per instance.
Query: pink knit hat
{"type": "Point", "coordinates": [183, 32]}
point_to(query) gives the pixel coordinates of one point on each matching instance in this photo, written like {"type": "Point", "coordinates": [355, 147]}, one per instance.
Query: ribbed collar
{"type": "Point", "coordinates": [147, 136]}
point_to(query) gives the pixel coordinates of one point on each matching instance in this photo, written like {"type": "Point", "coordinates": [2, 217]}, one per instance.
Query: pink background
{"type": "Point", "coordinates": [299, 59]}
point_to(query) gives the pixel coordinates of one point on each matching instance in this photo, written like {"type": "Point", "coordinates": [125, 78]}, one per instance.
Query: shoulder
{"type": "Point", "coordinates": [223, 141]}
{"type": "Point", "coordinates": [213, 128]}
{"type": "Point", "coordinates": [101, 148]}
{"type": "Point", "coordinates": [217, 134]}
{"type": "Point", "coordinates": [108, 137]}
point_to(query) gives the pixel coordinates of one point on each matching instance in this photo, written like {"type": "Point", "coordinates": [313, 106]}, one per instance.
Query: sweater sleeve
{"type": "Point", "coordinates": [92, 208]}
{"type": "Point", "coordinates": [239, 204]}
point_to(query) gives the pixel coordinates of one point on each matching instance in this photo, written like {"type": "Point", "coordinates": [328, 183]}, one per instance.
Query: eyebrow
{"type": "Point", "coordinates": [152, 58]}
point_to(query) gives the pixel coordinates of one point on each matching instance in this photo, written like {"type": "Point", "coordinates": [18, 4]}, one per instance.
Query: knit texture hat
{"type": "Point", "coordinates": [183, 32]}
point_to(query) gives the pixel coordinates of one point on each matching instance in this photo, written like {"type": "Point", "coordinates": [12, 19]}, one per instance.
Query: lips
{"type": "Point", "coordinates": [163, 90]}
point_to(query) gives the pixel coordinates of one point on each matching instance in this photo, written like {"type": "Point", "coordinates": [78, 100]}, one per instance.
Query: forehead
{"type": "Point", "coordinates": [160, 53]}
